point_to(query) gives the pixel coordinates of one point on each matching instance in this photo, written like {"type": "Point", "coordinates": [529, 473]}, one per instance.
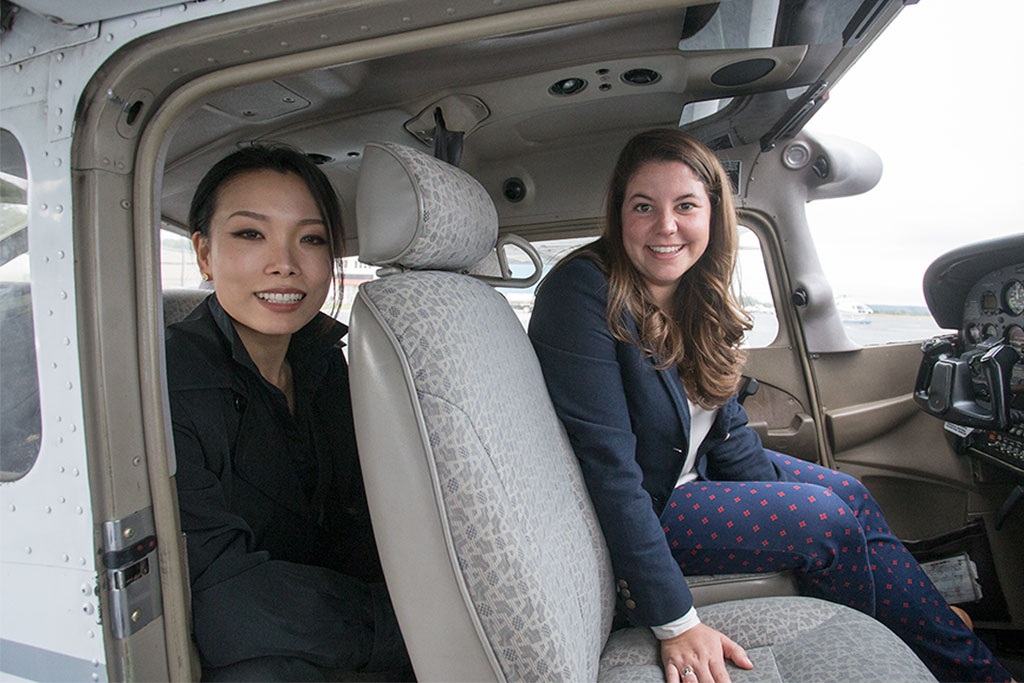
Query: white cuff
{"type": "Point", "coordinates": [677, 627]}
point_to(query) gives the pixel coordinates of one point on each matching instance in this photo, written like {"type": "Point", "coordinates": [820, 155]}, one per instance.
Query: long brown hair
{"type": "Point", "coordinates": [702, 332]}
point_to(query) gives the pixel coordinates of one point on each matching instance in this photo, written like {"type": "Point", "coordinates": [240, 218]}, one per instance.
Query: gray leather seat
{"type": "Point", "coordinates": [493, 555]}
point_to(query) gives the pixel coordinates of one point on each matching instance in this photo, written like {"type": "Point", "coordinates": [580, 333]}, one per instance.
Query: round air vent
{"type": "Point", "coordinates": [514, 190]}
{"type": "Point", "coordinates": [641, 76]}
{"type": "Point", "coordinates": [567, 86]}
{"type": "Point", "coordinates": [741, 73]}
{"type": "Point", "coordinates": [796, 155]}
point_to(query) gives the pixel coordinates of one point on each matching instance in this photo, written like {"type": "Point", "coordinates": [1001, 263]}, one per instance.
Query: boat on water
{"type": "Point", "coordinates": [852, 311]}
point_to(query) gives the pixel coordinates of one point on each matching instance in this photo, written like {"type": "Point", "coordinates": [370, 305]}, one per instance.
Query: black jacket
{"type": "Point", "coordinates": [272, 505]}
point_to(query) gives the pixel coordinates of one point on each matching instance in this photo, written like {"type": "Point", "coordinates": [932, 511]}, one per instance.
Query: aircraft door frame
{"type": "Point", "coordinates": [784, 409]}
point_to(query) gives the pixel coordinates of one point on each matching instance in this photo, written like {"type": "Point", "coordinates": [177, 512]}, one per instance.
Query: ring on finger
{"type": "Point", "coordinates": [685, 672]}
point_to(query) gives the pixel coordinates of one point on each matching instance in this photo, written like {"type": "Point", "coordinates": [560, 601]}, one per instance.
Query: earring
{"type": "Point", "coordinates": [206, 277]}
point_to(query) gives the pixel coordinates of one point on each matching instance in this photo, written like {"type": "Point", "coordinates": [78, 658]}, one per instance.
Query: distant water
{"type": "Point", "coordinates": [883, 329]}
{"type": "Point", "coordinates": [874, 329]}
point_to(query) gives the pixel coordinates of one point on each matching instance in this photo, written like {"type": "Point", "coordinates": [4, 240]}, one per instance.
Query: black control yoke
{"type": "Point", "coordinates": [945, 385]}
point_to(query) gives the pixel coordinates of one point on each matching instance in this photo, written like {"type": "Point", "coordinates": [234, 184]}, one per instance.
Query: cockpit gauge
{"type": "Point", "coordinates": [1013, 297]}
{"type": "Point", "coordinates": [989, 303]}
{"type": "Point", "coordinates": [973, 334]}
{"type": "Point", "coordinates": [989, 331]}
{"type": "Point", "coordinates": [1014, 334]}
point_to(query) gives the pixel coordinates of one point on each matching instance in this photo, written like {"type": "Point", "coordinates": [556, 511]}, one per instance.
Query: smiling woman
{"type": "Point", "coordinates": [645, 388]}
{"type": "Point", "coordinates": [665, 221]}
{"type": "Point", "coordinates": [270, 490]}
{"type": "Point", "coordinates": [267, 250]}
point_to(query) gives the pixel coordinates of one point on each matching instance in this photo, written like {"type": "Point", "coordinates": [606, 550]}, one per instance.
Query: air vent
{"type": "Point", "coordinates": [319, 159]}
{"type": "Point", "coordinates": [796, 155]}
{"type": "Point", "coordinates": [514, 190]}
{"type": "Point", "coordinates": [742, 73]}
{"type": "Point", "coordinates": [568, 86]}
{"type": "Point", "coordinates": [641, 77]}
{"type": "Point", "coordinates": [719, 143]}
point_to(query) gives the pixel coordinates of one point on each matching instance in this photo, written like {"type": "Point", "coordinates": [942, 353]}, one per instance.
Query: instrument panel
{"type": "Point", "coordinates": [994, 308]}
{"type": "Point", "coordinates": [975, 380]}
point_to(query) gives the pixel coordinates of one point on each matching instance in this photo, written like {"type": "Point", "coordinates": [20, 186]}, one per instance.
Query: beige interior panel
{"type": "Point", "coordinates": [782, 423]}
{"type": "Point", "coordinates": [852, 426]}
{"type": "Point", "coordinates": [778, 411]}
{"type": "Point", "coordinates": [903, 497]}
{"type": "Point", "coordinates": [872, 420]}
{"type": "Point", "coordinates": [908, 462]}
{"type": "Point", "coordinates": [917, 445]}
{"type": "Point", "coordinates": [776, 366]}
{"type": "Point", "coordinates": [877, 434]}
{"type": "Point", "coordinates": [869, 374]}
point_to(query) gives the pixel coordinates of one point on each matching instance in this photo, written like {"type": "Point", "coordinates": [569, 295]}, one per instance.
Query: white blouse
{"type": "Point", "coordinates": [700, 424]}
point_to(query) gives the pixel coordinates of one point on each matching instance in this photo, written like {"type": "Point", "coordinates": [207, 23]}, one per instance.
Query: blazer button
{"type": "Point", "coordinates": [625, 593]}
{"type": "Point", "coordinates": [623, 584]}
{"type": "Point", "coordinates": [631, 604]}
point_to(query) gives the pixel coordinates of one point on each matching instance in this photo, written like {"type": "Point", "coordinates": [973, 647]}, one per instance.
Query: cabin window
{"type": "Point", "coordinates": [178, 266]}
{"type": "Point", "coordinates": [20, 421]}
{"type": "Point", "coordinates": [750, 280]}
{"type": "Point", "coordinates": [551, 252]}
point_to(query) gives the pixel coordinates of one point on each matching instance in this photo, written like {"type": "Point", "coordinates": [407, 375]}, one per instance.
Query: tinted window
{"type": "Point", "coordinates": [20, 423]}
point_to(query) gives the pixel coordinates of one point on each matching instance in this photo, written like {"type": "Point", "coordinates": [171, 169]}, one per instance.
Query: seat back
{"type": "Point", "coordinates": [179, 302]}
{"type": "Point", "coordinates": [493, 555]}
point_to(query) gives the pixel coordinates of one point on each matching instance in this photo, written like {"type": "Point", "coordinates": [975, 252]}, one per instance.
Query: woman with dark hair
{"type": "Point", "coordinates": [286, 582]}
{"type": "Point", "coordinates": [637, 334]}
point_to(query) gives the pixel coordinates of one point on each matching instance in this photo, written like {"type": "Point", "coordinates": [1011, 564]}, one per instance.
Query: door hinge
{"type": "Point", "coordinates": [133, 576]}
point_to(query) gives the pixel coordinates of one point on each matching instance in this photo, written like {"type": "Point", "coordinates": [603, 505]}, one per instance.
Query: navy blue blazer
{"type": "Point", "coordinates": [629, 425]}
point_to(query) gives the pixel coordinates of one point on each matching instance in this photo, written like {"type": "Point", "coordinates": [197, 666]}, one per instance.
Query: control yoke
{"type": "Point", "coordinates": [971, 390]}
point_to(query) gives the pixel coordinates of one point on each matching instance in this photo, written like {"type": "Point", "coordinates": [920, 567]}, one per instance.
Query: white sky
{"type": "Point", "coordinates": [940, 97]}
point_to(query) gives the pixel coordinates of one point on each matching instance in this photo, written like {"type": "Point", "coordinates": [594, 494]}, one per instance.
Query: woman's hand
{"type": "Point", "coordinates": [703, 650]}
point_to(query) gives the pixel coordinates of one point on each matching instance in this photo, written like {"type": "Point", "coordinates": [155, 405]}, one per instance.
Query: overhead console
{"type": "Point", "coordinates": [974, 379]}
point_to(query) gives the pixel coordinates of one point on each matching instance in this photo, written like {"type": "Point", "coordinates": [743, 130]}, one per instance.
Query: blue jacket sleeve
{"type": "Point", "coordinates": [736, 454]}
{"type": "Point", "coordinates": [581, 363]}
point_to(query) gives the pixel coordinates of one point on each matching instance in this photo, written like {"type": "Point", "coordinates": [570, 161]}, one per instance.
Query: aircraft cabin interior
{"type": "Point", "coordinates": [533, 100]}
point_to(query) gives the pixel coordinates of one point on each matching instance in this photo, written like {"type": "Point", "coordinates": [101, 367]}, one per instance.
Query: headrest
{"type": "Point", "coordinates": [417, 212]}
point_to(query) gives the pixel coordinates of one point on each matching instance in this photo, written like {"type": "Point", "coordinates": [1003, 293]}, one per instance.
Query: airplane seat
{"type": "Point", "coordinates": [179, 302]}
{"type": "Point", "coordinates": [493, 554]}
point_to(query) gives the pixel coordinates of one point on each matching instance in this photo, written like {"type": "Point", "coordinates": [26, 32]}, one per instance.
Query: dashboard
{"type": "Point", "coordinates": [994, 307]}
{"type": "Point", "coordinates": [974, 379]}
{"type": "Point", "coordinates": [994, 310]}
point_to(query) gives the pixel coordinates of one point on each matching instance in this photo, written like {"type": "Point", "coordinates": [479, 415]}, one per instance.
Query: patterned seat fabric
{"type": "Point", "coordinates": [787, 639]}
{"type": "Point", "coordinates": [178, 303]}
{"type": "Point", "coordinates": [494, 558]}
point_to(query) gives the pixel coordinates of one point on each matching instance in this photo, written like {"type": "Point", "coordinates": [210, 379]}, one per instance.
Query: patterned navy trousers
{"type": "Point", "coordinates": [832, 532]}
